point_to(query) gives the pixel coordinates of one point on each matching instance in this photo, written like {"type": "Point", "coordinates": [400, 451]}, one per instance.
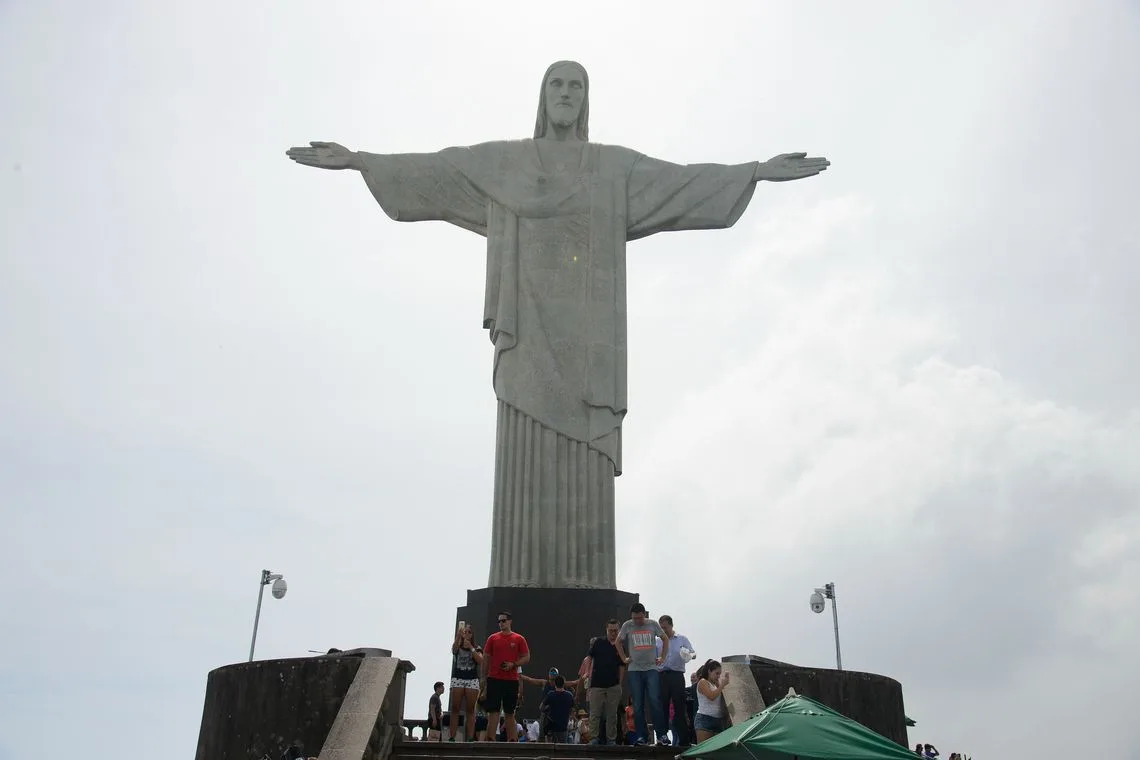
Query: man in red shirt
{"type": "Point", "coordinates": [503, 655]}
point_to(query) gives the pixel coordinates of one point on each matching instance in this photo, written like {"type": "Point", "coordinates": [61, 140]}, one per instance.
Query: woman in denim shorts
{"type": "Point", "coordinates": [710, 700]}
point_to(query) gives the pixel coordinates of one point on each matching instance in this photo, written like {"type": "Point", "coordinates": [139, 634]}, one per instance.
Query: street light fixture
{"type": "Point", "coordinates": [278, 591]}
{"type": "Point", "coordinates": [818, 605]}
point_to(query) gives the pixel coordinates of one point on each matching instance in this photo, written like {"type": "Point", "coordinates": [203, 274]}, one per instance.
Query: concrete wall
{"type": "Point", "coordinates": [873, 700]}
{"type": "Point", "coordinates": [258, 707]}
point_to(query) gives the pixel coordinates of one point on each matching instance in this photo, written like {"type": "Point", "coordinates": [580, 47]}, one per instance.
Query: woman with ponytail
{"type": "Point", "coordinates": [710, 700]}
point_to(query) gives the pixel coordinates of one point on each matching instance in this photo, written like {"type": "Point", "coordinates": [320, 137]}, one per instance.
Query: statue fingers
{"type": "Point", "coordinates": [802, 173]}
{"type": "Point", "coordinates": [307, 160]}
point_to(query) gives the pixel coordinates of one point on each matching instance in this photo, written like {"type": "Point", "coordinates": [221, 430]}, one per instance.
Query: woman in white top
{"type": "Point", "coordinates": [466, 657]}
{"type": "Point", "coordinates": [710, 700]}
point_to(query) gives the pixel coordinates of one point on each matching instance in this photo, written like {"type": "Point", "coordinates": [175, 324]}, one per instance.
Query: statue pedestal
{"type": "Point", "coordinates": [556, 622]}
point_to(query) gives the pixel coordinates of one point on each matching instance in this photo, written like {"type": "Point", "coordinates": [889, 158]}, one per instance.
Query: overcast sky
{"type": "Point", "coordinates": [914, 375]}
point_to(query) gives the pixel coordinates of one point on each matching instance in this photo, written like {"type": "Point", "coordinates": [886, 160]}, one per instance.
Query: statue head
{"type": "Point", "coordinates": [564, 99]}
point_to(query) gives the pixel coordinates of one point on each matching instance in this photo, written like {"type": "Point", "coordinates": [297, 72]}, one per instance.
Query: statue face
{"type": "Point", "coordinates": [565, 91]}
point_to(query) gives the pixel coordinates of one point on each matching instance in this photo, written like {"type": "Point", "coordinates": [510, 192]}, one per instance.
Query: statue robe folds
{"type": "Point", "coordinates": [556, 313]}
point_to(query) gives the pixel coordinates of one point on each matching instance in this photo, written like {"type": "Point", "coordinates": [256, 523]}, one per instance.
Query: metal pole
{"type": "Point", "coordinates": [257, 615]}
{"type": "Point", "coordinates": [835, 619]}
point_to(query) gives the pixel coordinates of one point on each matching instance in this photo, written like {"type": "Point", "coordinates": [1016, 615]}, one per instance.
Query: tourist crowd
{"type": "Point", "coordinates": [930, 752]}
{"type": "Point", "coordinates": [647, 656]}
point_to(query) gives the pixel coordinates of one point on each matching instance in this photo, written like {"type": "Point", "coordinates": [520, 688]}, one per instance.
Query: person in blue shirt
{"type": "Point", "coordinates": [558, 704]}
{"type": "Point", "coordinates": [672, 669]}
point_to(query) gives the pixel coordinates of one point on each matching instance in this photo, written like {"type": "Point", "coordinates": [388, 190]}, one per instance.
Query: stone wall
{"type": "Point", "coordinates": [873, 700]}
{"type": "Point", "coordinates": [262, 707]}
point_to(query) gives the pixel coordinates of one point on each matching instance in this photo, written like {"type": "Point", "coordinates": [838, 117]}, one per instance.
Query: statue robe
{"type": "Point", "coordinates": [555, 311]}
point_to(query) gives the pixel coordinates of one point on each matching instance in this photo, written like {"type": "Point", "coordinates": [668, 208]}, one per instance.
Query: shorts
{"type": "Point", "coordinates": [465, 683]}
{"type": "Point", "coordinates": [502, 695]}
{"type": "Point", "coordinates": [708, 723]}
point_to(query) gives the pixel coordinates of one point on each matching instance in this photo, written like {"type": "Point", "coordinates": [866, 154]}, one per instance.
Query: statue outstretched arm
{"type": "Point", "coordinates": [788, 166]}
{"type": "Point", "coordinates": [667, 197]}
{"type": "Point", "coordinates": [410, 187]}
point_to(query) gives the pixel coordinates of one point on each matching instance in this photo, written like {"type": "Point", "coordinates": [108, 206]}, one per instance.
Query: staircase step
{"type": "Point", "coordinates": [528, 750]}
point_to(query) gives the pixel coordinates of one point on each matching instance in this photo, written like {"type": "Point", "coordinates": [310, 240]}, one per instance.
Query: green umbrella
{"type": "Point", "coordinates": [802, 728]}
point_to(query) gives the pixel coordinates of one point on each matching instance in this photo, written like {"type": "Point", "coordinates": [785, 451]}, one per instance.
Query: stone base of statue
{"type": "Point", "coordinates": [556, 622]}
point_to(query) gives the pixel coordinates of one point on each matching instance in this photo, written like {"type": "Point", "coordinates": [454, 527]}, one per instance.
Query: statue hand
{"type": "Point", "coordinates": [324, 155]}
{"type": "Point", "coordinates": [789, 166]}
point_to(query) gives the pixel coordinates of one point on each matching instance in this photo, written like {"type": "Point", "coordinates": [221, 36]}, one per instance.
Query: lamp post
{"type": "Point", "coordinates": [278, 591]}
{"type": "Point", "coordinates": [818, 604]}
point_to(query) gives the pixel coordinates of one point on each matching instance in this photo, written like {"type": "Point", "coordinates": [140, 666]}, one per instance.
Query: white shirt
{"type": "Point", "coordinates": [711, 707]}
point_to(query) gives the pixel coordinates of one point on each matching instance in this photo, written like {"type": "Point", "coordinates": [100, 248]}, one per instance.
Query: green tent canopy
{"type": "Point", "coordinates": [799, 727]}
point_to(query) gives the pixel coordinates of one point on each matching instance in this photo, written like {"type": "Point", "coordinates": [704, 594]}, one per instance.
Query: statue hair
{"type": "Point", "coordinates": [582, 126]}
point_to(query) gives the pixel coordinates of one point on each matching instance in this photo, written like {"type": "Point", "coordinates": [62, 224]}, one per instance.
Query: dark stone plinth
{"type": "Point", "coordinates": [557, 624]}
{"type": "Point", "coordinates": [254, 708]}
{"type": "Point", "coordinates": [873, 700]}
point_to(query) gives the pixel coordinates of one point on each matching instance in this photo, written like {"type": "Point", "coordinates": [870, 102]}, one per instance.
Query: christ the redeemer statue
{"type": "Point", "coordinates": [557, 211]}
